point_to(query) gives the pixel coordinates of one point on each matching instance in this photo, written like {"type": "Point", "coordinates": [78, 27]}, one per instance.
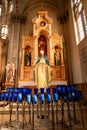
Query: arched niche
{"type": "Point", "coordinates": [43, 42]}
{"type": "Point", "coordinates": [27, 56]}
{"type": "Point", "coordinates": [42, 33]}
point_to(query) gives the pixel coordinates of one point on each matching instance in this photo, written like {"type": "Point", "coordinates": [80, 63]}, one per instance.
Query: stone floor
{"type": "Point", "coordinates": [39, 123]}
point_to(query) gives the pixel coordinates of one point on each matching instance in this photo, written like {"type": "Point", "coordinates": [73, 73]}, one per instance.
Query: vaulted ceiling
{"type": "Point", "coordinates": [61, 5]}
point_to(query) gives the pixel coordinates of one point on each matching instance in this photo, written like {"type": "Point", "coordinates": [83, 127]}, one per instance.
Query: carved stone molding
{"type": "Point", "coordinates": [16, 18]}
{"type": "Point", "coordinates": [63, 17]}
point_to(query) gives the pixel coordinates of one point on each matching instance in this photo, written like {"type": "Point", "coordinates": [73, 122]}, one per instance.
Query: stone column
{"type": "Point", "coordinates": [0, 59]}
{"type": "Point", "coordinates": [85, 7]}
{"type": "Point", "coordinates": [63, 19]}
{"type": "Point", "coordinates": [14, 41]}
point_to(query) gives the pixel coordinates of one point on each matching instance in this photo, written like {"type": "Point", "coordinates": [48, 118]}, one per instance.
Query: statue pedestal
{"type": "Point", "coordinates": [32, 83]}
{"type": "Point", "coordinates": [43, 114]}
{"type": "Point", "coordinates": [43, 122]}
{"type": "Point", "coordinates": [9, 84]}
{"type": "Point", "coordinates": [26, 83]}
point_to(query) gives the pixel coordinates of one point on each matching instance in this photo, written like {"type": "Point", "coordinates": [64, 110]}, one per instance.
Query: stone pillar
{"type": "Point", "coordinates": [3, 58]}
{"type": "Point", "coordinates": [85, 7]}
{"type": "Point", "coordinates": [0, 59]}
{"type": "Point", "coordinates": [63, 19]}
{"type": "Point", "coordinates": [14, 41]}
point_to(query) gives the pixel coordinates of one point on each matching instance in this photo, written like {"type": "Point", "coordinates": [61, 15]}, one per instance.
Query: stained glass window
{"type": "Point", "coordinates": [6, 6]}
{"type": "Point", "coordinates": [80, 19]}
{"type": "Point", "coordinates": [0, 9]}
{"type": "Point", "coordinates": [11, 6]}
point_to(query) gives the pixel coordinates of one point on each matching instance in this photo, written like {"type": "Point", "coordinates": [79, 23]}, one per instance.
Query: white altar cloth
{"type": "Point", "coordinates": [26, 83]}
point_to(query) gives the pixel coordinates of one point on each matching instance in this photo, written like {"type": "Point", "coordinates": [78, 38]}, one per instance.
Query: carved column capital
{"type": "Point", "coordinates": [63, 17]}
{"type": "Point", "coordinates": [17, 18]}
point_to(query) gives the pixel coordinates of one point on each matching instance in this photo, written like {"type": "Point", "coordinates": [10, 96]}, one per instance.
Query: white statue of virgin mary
{"type": "Point", "coordinates": [42, 71]}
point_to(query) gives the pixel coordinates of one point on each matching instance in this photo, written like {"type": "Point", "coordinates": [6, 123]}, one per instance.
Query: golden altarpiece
{"type": "Point", "coordinates": [53, 49]}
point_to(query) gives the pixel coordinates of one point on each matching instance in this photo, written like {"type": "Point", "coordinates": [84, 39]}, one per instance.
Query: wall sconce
{"type": "Point", "coordinates": [3, 24]}
{"type": "Point", "coordinates": [4, 32]}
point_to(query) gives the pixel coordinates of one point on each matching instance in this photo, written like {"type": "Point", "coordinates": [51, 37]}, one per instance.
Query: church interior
{"type": "Point", "coordinates": [43, 64]}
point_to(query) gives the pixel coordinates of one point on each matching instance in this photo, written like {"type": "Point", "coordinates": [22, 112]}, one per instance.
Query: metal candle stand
{"type": "Point", "coordinates": [44, 99]}
{"type": "Point", "coordinates": [44, 102]}
{"type": "Point", "coordinates": [70, 94]}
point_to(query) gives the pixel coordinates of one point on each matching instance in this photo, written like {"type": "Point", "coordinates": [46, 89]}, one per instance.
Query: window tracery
{"type": "Point", "coordinates": [80, 19]}
{"type": "Point", "coordinates": [6, 6]}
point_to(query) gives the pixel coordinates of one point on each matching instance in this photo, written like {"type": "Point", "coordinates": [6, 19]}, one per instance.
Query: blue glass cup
{"type": "Point", "coordinates": [8, 90]}
{"type": "Point", "coordinates": [10, 96]}
{"type": "Point", "coordinates": [73, 95]}
{"type": "Point", "coordinates": [73, 88]}
{"type": "Point", "coordinates": [70, 98]}
{"type": "Point", "coordinates": [42, 98]}
{"type": "Point", "coordinates": [68, 89]}
{"type": "Point", "coordinates": [42, 90]}
{"type": "Point", "coordinates": [48, 90]}
{"type": "Point", "coordinates": [49, 98]}
{"type": "Point", "coordinates": [59, 90]}
{"type": "Point", "coordinates": [15, 96]}
{"type": "Point", "coordinates": [2, 96]}
{"type": "Point", "coordinates": [79, 95]}
{"type": "Point", "coordinates": [6, 96]}
{"type": "Point", "coordinates": [15, 90]}
{"type": "Point", "coordinates": [25, 91]}
{"type": "Point", "coordinates": [28, 98]}
{"type": "Point", "coordinates": [54, 90]}
{"type": "Point", "coordinates": [56, 97]}
{"type": "Point", "coordinates": [64, 97]}
{"type": "Point", "coordinates": [20, 90]}
{"type": "Point", "coordinates": [35, 99]}
{"type": "Point", "coordinates": [64, 91]}
{"type": "Point", "coordinates": [36, 91]}
{"type": "Point", "coordinates": [11, 90]}
{"type": "Point", "coordinates": [20, 97]}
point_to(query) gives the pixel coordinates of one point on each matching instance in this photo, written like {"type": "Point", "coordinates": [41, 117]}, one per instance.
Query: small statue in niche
{"type": "Point", "coordinates": [42, 43]}
{"type": "Point", "coordinates": [57, 55]}
{"type": "Point", "coordinates": [27, 58]}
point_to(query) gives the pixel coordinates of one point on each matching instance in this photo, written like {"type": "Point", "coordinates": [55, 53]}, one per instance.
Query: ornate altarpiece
{"type": "Point", "coordinates": [42, 34]}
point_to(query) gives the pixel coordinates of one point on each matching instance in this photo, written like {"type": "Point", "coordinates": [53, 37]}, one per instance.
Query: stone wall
{"type": "Point", "coordinates": [83, 51]}
{"type": "Point", "coordinates": [75, 59]}
{"type": "Point", "coordinates": [85, 7]}
{"type": "Point", "coordinates": [83, 59]}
